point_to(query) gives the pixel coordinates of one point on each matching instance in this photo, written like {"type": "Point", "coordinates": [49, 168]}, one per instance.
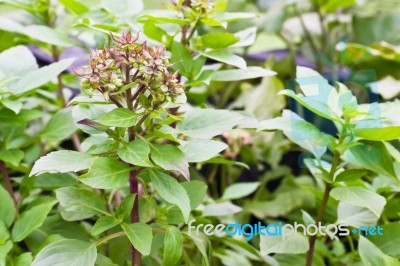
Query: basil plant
{"type": "Point", "coordinates": [136, 154]}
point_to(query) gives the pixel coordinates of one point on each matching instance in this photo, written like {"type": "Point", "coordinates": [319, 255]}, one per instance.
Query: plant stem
{"type": "Point", "coordinates": [324, 202]}
{"type": "Point", "coordinates": [134, 185]}
{"type": "Point", "coordinates": [109, 237]}
{"type": "Point", "coordinates": [321, 212]}
{"type": "Point", "coordinates": [192, 32]}
{"type": "Point", "coordinates": [7, 183]}
{"type": "Point", "coordinates": [134, 189]}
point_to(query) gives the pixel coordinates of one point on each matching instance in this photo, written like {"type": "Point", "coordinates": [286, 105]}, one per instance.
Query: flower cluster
{"type": "Point", "coordinates": [193, 8]}
{"type": "Point", "coordinates": [202, 6]}
{"type": "Point", "coordinates": [133, 66]}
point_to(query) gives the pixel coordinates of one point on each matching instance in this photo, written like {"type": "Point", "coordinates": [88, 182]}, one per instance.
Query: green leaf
{"type": "Point", "coordinates": [332, 6]}
{"type": "Point", "coordinates": [162, 16]}
{"type": "Point", "coordinates": [226, 57]}
{"type": "Point", "coordinates": [4, 234]}
{"type": "Point", "coordinates": [371, 255]}
{"type": "Point", "coordinates": [242, 74]}
{"type": "Point", "coordinates": [200, 150]}
{"type": "Point", "coordinates": [204, 246]}
{"type": "Point", "coordinates": [16, 62]}
{"type": "Point", "coordinates": [12, 156]}
{"type": "Point", "coordinates": [30, 220]}
{"type": "Point", "coordinates": [75, 6]}
{"type": "Point", "coordinates": [123, 8]}
{"type": "Point", "coordinates": [243, 248]}
{"type": "Point", "coordinates": [124, 210]}
{"type": "Point", "coordinates": [305, 134]}
{"type": "Point", "coordinates": [217, 40]}
{"type": "Point", "coordinates": [378, 133]}
{"type": "Point", "coordinates": [173, 245]}
{"type": "Point", "coordinates": [67, 252]}
{"type": "Point", "coordinates": [373, 156]}
{"type": "Point", "coordinates": [13, 105]}
{"type": "Point", "coordinates": [355, 216]}
{"type": "Point", "coordinates": [103, 224]}
{"type": "Point", "coordinates": [240, 190]}
{"type": "Point", "coordinates": [171, 191]}
{"type": "Point", "coordinates": [49, 35]}
{"type": "Point", "coordinates": [62, 161]}
{"type": "Point", "coordinates": [232, 258]}
{"type": "Point", "coordinates": [196, 191]}
{"type": "Point", "coordinates": [296, 260]}
{"type": "Point", "coordinates": [118, 117]}
{"type": "Point", "coordinates": [4, 250]}
{"type": "Point", "coordinates": [41, 76]}
{"type": "Point", "coordinates": [318, 95]}
{"type": "Point", "coordinates": [223, 161]}
{"type": "Point", "coordinates": [140, 235]}
{"type": "Point", "coordinates": [38, 32]}
{"type": "Point", "coordinates": [24, 259]}
{"type": "Point", "coordinates": [8, 116]}
{"type": "Point", "coordinates": [152, 31]}
{"type": "Point", "coordinates": [103, 260]}
{"type": "Point", "coordinates": [80, 202]}
{"type": "Point", "coordinates": [307, 219]}
{"type": "Point", "coordinates": [171, 158]}
{"type": "Point", "coordinates": [262, 102]}
{"type": "Point", "coordinates": [234, 16]}
{"type": "Point", "coordinates": [55, 180]}
{"type": "Point", "coordinates": [136, 152]}
{"type": "Point", "coordinates": [7, 210]}
{"type": "Point", "coordinates": [295, 243]}
{"type": "Point", "coordinates": [106, 173]}
{"type": "Point", "coordinates": [284, 203]}
{"type": "Point", "coordinates": [221, 209]}
{"type": "Point", "coordinates": [380, 121]}
{"type": "Point", "coordinates": [60, 126]}
{"type": "Point", "coordinates": [183, 60]}
{"type": "Point", "coordinates": [247, 37]}
{"type": "Point", "coordinates": [361, 197]}
{"type": "Point", "coordinates": [390, 240]}
{"type": "Point", "coordinates": [350, 175]}
{"type": "Point", "coordinates": [207, 123]}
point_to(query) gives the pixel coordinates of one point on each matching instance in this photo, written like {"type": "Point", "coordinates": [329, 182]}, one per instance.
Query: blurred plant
{"type": "Point", "coordinates": [363, 134]}
{"type": "Point", "coordinates": [31, 124]}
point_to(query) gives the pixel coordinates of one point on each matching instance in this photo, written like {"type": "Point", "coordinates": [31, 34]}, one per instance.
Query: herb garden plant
{"type": "Point", "coordinates": [130, 128]}
{"type": "Point", "coordinates": [132, 141]}
{"type": "Point", "coordinates": [360, 145]}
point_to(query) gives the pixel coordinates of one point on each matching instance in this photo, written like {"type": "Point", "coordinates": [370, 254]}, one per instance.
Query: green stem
{"type": "Point", "coordinates": [109, 237]}
{"type": "Point", "coordinates": [192, 31]}
{"type": "Point", "coordinates": [324, 202]}
{"type": "Point", "coordinates": [226, 94]}
{"type": "Point", "coordinates": [351, 243]}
